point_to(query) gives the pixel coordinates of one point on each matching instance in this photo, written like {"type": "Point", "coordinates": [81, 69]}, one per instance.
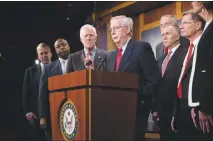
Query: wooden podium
{"type": "Point", "coordinates": [92, 105]}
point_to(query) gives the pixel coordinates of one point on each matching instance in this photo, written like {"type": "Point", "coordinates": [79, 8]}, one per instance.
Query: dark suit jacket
{"type": "Point", "coordinates": [138, 58]}
{"type": "Point", "coordinates": [160, 47]}
{"type": "Point", "coordinates": [167, 88]}
{"type": "Point", "coordinates": [76, 60]}
{"type": "Point", "coordinates": [203, 76]}
{"type": "Point", "coordinates": [51, 69]}
{"type": "Point", "coordinates": [31, 89]}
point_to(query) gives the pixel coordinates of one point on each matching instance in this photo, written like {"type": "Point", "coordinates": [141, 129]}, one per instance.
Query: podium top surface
{"type": "Point", "coordinates": [93, 78]}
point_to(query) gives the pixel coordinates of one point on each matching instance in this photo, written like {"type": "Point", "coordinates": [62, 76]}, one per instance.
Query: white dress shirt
{"type": "Point", "coordinates": [124, 46]}
{"type": "Point", "coordinates": [63, 65]}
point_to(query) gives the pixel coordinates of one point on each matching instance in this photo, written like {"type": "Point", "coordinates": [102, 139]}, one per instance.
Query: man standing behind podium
{"type": "Point", "coordinates": [57, 67]}
{"type": "Point", "coordinates": [98, 57]}
{"type": "Point", "coordinates": [135, 57]}
{"type": "Point", "coordinates": [31, 92]}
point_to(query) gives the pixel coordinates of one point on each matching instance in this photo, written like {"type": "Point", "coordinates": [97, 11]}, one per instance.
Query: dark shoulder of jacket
{"type": "Point", "coordinates": [32, 68]}
{"type": "Point", "coordinates": [102, 51]}
{"type": "Point", "coordinates": [184, 42]}
{"type": "Point", "coordinates": [76, 53]}
{"type": "Point", "coordinates": [142, 44]}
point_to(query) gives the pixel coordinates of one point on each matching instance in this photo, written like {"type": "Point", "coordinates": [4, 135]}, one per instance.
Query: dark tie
{"type": "Point", "coordinates": [185, 65]}
{"type": "Point", "coordinates": [165, 63]}
{"type": "Point", "coordinates": [119, 56]}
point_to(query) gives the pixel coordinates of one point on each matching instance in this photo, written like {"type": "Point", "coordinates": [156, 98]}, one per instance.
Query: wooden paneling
{"type": "Point", "coordinates": [136, 28]}
{"type": "Point", "coordinates": [186, 6]}
{"type": "Point", "coordinates": [115, 8]}
{"type": "Point", "coordinates": [155, 14]}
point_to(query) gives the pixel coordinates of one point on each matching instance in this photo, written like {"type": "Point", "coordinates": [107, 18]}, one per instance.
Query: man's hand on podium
{"type": "Point", "coordinates": [31, 117]}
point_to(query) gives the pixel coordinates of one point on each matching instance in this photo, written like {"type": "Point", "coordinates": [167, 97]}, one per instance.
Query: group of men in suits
{"type": "Point", "coordinates": [131, 56]}
{"type": "Point", "coordinates": [181, 109]}
{"type": "Point", "coordinates": [183, 103]}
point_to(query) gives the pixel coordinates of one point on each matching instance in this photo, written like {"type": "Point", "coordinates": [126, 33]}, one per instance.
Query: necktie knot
{"type": "Point", "coordinates": [166, 49]}
{"type": "Point", "coordinates": [170, 52]}
{"type": "Point", "coordinates": [120, 50]}
{"type": "Point", "coordinates": [191, 45]}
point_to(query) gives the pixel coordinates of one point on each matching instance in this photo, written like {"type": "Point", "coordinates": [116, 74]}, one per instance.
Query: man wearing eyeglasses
{"type": "Point", "coordinates": [191, 27]}
{"type": "Point", "coordinates": [98, 57]}
{"type": "Point", "coordinates": [57, 67]}
{"type": "Point", "coordinates": [134, 57]}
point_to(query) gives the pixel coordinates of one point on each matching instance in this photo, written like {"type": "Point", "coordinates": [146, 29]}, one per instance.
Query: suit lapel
{"type": "Point", "coordinates": [97, 58]}
{"type": "Point", "coordinates": [174, 57]}
{"type": "Point", "coordinates": [57, 68]}
{"type": "Point", "coordinates": [38, 73]}
{"type": "Point", "coordinates": [160, 61]}
{"type": "Point", "coordinates": [113, 59]}
{"type": "Point", "coordinates": [126, 55]}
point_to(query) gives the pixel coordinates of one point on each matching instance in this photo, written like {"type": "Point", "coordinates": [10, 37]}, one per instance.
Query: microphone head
{"type": "Point", "coordinates": [89, 62]}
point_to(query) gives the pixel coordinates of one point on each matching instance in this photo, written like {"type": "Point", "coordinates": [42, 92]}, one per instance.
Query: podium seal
{"type": "Point", "coordinates": [68, 121]}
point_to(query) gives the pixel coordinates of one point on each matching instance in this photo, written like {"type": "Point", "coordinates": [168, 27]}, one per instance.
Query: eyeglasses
{"type": "Point", "coordinates": [187, 23]}
{"type": "Point", "coordinates": [116, 28]}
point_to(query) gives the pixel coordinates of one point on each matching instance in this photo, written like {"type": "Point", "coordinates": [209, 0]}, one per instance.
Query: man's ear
{"type": "Point", "coordinates": [128, 30]}
{"type": "Point", "coordinates": [198, 25]}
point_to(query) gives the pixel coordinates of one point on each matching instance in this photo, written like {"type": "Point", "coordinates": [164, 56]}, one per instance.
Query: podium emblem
{"type": "Point", "coordinates": [68, 121]}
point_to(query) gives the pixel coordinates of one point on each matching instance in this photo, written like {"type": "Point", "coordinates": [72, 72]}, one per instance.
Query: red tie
{"type": "Point", "coordinates": [119, 56]}
{"type": "Point", "coordinates": [165, 62]}
{"type": "Point", "coordinates": [166, 49]}
{"type": "Point", "coordinates": [188, 57]}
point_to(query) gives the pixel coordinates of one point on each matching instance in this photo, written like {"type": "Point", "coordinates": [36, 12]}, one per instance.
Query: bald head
{"type": "Point", "coordinates": [62, 48]}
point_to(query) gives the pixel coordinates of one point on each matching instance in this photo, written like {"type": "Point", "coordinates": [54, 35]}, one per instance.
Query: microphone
{"type": "Point", "coordinates": [102, 60]}
{"type": "Point", "coordinates": [87, 63]}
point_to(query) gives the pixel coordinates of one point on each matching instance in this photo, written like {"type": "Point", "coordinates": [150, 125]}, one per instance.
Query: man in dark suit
{"type": "Point", "coordinates": [134, 57]}
{"type": "Point", "coordinates": [57, 67]}
{"type": "Point", "coordinates": [170, 66]}
{"type": "Point", "coordinates": [191, 27]}
{"type": "Point", "coordinates": [202, 70]}
{"type": "Point", "coordinates": [164, 21]}
{"type": "Point", "coordinates": [98, 57]}
{"type": "Point", "coordinates": [31, 92]}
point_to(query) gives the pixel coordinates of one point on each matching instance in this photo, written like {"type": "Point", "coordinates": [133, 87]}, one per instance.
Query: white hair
{"type": "Point", "coordinates": [173, 19]}
{"type": "Point", "coordinates": [126, 21]}
{"type": "Point", "coordinates": [87, 26]}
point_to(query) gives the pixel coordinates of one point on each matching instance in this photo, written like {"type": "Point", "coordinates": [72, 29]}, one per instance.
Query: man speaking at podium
{"type": "Point", "coordinates": [97, 57]}
{"type": "Point", "coordinates": [135, 57]}
{"type": "Point", "coordinates": [57, 67]}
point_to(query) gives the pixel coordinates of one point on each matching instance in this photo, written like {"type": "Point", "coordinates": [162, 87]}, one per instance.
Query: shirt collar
{"type": "Point", "coordinates": [41, 64]}
{"type": "Point", "coordinates": [62, 60]}
{"type": "Point", "coordinates": [174, 48]}
{"type": "Point", "coordinates": [86, 51]}
{"type": "Point", "coordinates": [125, 45]}
{"type": "Point", "coordinates": [196, 41]}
